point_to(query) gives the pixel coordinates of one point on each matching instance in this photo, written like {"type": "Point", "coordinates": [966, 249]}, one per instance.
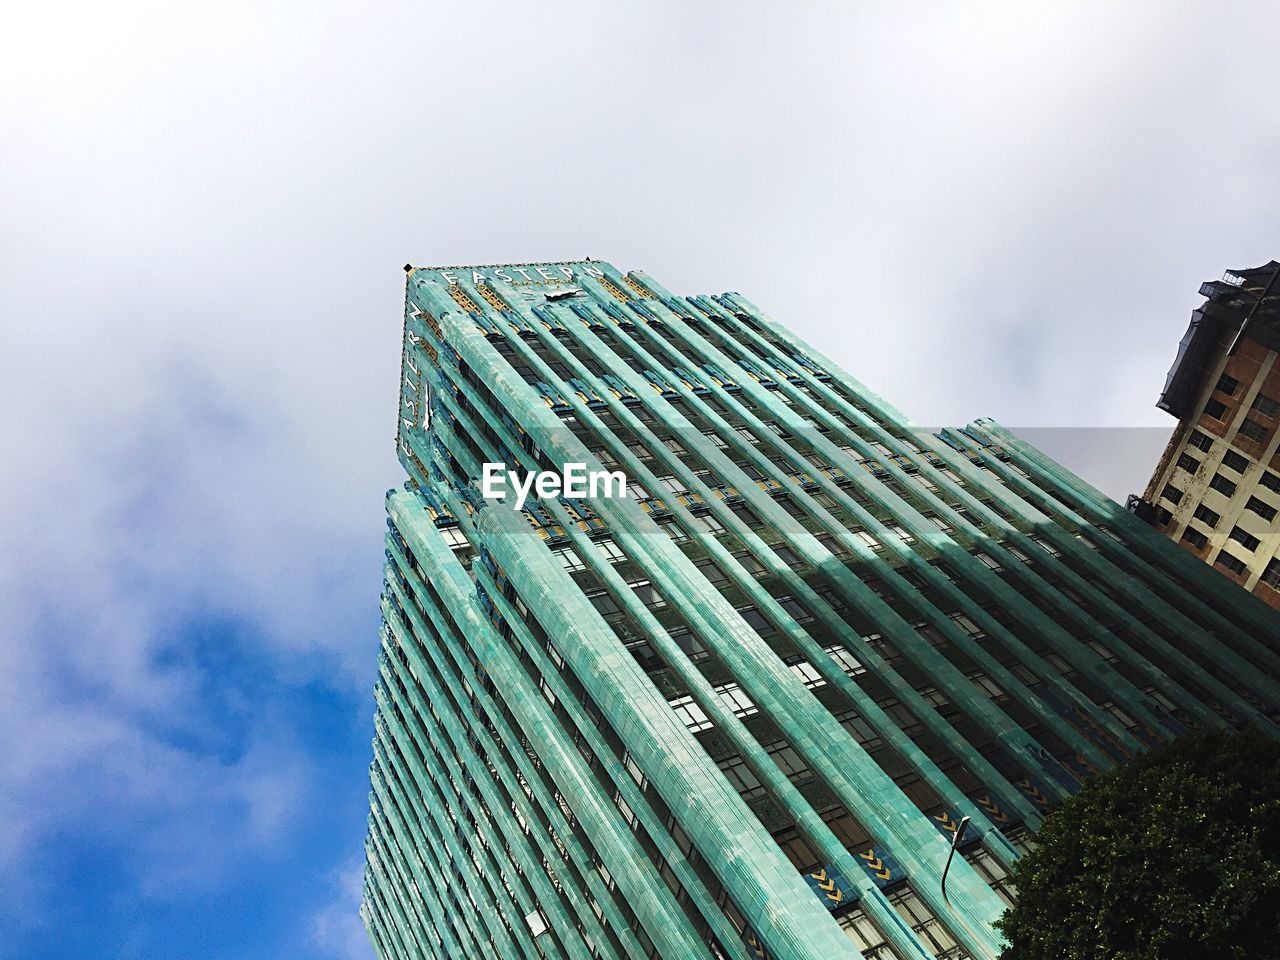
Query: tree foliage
{"type": "Point", "coordinates": [1173, 855]}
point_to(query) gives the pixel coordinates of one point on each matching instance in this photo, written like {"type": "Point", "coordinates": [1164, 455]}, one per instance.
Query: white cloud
{"type": "Point", "coordinates": [1000, 212]}
{"type": "Point", "coordinates": [337, 929]}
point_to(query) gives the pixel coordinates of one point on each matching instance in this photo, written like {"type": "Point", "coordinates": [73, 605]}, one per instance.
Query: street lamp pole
{"type": "Point", "coordinates": [955, 842]}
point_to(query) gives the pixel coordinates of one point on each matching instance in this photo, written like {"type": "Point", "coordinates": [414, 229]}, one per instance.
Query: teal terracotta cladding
{"type": "Point", "coordinates": [743, 711]}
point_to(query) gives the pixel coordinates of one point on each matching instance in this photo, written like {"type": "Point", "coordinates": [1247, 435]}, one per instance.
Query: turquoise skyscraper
{"type": "Point", "coordinates": [742, 710]}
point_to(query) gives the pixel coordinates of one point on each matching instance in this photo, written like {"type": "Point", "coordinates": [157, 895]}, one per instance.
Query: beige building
{"type": "Point", "coordinates": [1216, 490]}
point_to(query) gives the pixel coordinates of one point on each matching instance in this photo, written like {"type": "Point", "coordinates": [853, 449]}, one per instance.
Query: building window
{"type": "Point", "coordinates": [1270, 480]}
{"type": "Point", "coordinates": [1264, 510]}
{"type": "Point", "coordinates": [1229, 561]}
{"type": "Point", "coordinates": [991, 564]}
{"type": "Point", "coordinates": [1228, 385]}
{"type": "Point", "coordinates": [749, 563]}
{"type": "Point", "coordinates": [708, 524]}
{"type": "Point", "coordinates": [756, 620]}
{"type": "Point", "coordinates": [1101, 651]}
{"type": "Point", "coordinates": [628, 815]}
{"type": "Point", "coordinates": [987, 685]}
{"type": "Point", "coordinates": [935, 698]}
{"type": "Point", "coordinates": [1253, 430]}
{"type": "Point", "coordinates": [687, 642]}
{"type": "Point", "coordinates": [569, 559]}
{"type": "Point", "coordinates": [938, 522]}
{"type": "Point", "coordinates": [612, 552]}
{"type": "Point", "coordinates": [1201, 441]}
{"type": "Point", "coordinates": [867, 539]}
{"type": "Point", "coordinates": [1060, 665]}
{"type": "Point", "coordinates": [643, 652]}
{"type": "Point", "coordinates": [834, 546]}
{"type": "Point", "coordinates": [937, 938]}
{"type": "Point", "coordinates": [742, 777]}
{"type": "Point", "coordinates": [901, 716]}
{"type": "Point", "coordinates": [920, 480]}
{"type": "Point", "coordinates": [691, 714]}
{"type": "Point", "coordinates": [990, 870]}
{"type": "Point", "coordinates": [647, 594]}
{"type": "Point", "coordinates": [1245, 538]}
{"type": "Point", "coordinates": [1045, 545]}
{"type": "Point", "coordinates": [1071, 595]}
{"type": "Point", "coordinates": [1188, 463]}
{"type": "Point", "coordinates": [847, 661]}
{"type": "Point", "coordinates": [789, 505]}
{"type": "Point", "coordinates": [711, 570]}
{"type": "Point", "coordinates": [788, 556]}
{"type": "Point", "coordinates": [1023, 673]}
{"type": "Point", "coordinates": [857, 926]}
{"type": "Point", "coordinates": [808, 673]}
{"type": "Point", "coordinates": [736, 699]}
{"type": "Point", "coordinates": [603, 602]}
{"type": "Point", "coordinates": [798, 611]}
{"type": "Point", "coordinates": [930, 634]}
{"type": "Point", "coordinates": [1271, 575]}
{"type": "Point", "coordinates": [547, 692]}
{"type": "Point", "coordinates": [1119, 714]}
{"type": "Point", "coordinates": [1172, 493]}
{"type": "Point", "coordinates": [1266, 406]}
{"type": "Point", "coordinates": [672, 485]}
{"type": "Point", "coordinates": [974, 631]}
{"type": "Point", "coordinates": [672, 529]}
{"type": "Point", "coordinates": [1222, 485]}
{"type": "Point", "coordinates": [788, 761]}
{"type": "Point", "coordinates": [1161, 699]}
{"type": "Point", "coordinates": [1211, 517]}
{"type": "Point", "coordinates": [862, 731]}
{"type": "Point", "coordinates": [1195, 538]}
{"type": "Point", "coordinates": [1215, 409]}
{"type": "Point", "coordinates": [455, 538]}
{"type": "Point", "coordinates": [847, 830]}
{"type": "Point", "coordinates": [887, 651]}
{"type": "Point", "coordinates": [1085, 541]}
{"type": "Point", "coordinates": [831, 598]}
{"type": "Point", "coordinates": [797, 851]}
{"type": "Point", "coordinates": [1234, 461]}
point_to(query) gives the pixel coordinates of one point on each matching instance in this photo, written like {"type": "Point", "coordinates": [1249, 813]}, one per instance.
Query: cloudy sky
{"type": "Point", "coordinates": [980, 210]}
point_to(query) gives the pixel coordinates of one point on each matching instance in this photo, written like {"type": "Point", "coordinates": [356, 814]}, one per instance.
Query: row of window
{"type": "Point", "coordinates": [453, 810]}
{"type": "Point", "coordinates": [1234, 462]}
{"type": "Point", "coordinates": [1230, 459]}
{"type": "Point", "coordinates": [1238, 533]}
{"type": "Point", "coordinates": [659, 599]}
{"type": "Point", "coordinates": [923, 923]}
{"type": "Point", "coordinates": [1250, 428]}
{"type": "Point", "coordinates": [1264, 404]}
{"type": "Point", "coordinates": [1229, 561]}
{"type": "Point", "coordinates": [628, 763]}
{"type": "Point", "coordinates": [1221, 483]}
{"type": "Point", "coordinates": [1203, 442]}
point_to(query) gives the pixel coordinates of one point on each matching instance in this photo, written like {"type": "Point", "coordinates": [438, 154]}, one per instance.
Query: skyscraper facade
{"type": "Point", "coordinates": [1216, 490]}
{"type": "Point", "coordinates": [742, 710]}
